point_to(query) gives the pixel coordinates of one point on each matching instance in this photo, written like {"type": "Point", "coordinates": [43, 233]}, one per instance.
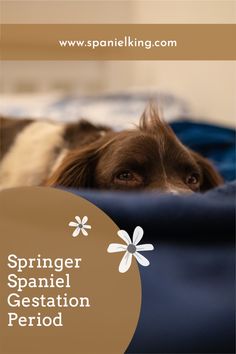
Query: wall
{"type": "Point", "coordinates": [210, 87]}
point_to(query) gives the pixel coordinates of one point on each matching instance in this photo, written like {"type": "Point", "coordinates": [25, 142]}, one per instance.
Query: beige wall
{"type": "Point", "coordinates": [209, 86]}
{"type": "Point", "coordinates": [120, 11]}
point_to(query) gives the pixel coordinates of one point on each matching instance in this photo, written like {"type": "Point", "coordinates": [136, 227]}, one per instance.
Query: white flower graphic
{"type": "Point", "coordinates": [131, 249]}
{"type": "Point", "coordinates": [80, 225]}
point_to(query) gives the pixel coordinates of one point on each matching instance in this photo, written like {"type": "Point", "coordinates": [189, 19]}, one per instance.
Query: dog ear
{"type": "Point", "coordinates": [78, 168]}
{"type": "Point", "coordinates": [211, 178]}
{"type": "Point", "coordinates": [83, 133]}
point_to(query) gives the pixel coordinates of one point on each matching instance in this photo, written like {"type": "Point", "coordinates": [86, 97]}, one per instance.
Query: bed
{"type": "Point", "coordinates": [188, 292]}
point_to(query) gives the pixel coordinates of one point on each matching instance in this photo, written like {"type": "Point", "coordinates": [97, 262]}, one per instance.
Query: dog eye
{"type": "Point", "coordinates": [125, 176]}
{"type": "Point", "coordinates": [128, 179]}
{"type": "Point", "coordinates": [193, 179]}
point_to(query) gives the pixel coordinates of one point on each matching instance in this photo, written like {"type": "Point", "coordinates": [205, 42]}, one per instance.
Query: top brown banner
{"type": "Point", "coordinates": [118, 42]}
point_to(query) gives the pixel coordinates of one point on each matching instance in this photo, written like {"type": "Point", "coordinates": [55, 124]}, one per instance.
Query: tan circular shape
{"type": "Point", "coordinates": [34, 224]}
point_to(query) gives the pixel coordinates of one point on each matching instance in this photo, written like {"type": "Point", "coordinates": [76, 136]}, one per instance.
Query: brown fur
{"type": "Point", "coordinates": [82, 133]}
{"type": "Point", "coordinates": [150, 157]}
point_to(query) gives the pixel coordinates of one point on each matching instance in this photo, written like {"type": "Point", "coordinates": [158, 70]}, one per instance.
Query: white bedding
{"type": "Point", "coordinates": [119, 110]}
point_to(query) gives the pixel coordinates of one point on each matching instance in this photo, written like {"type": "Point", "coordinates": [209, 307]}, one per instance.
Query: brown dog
{"type": "Point", "coordinates": [82, 155]}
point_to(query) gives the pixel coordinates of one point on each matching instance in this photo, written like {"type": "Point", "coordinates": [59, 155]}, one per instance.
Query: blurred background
{"type": "Point", "coordinates": [206, 90]}
{"type": "Point", "coordinates": [193, 291]}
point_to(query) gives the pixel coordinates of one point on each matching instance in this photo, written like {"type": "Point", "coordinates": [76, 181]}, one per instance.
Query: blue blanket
{"type": "Point", "coordinates": [216, 143]}
{"type": "Point", "coordinates": [188, 291]}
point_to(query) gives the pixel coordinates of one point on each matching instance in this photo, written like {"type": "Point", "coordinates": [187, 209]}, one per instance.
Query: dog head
{"type": "Point", "coordinates": [149, 157]}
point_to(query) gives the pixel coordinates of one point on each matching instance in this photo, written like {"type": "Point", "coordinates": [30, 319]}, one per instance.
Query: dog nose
{"type": "Point", "coordinates": [170, 188]}
{"type": "Point", "coordinates": [173, 191]}
{"type": "Point", "coordinates": [178, 190]}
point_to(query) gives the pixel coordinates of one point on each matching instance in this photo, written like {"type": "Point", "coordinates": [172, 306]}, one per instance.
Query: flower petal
{"type": "Point", "coordinates": [77, 218]}
{"type": "Point", "coordinates": [145, 247]}
{"type": "Point", "coordinates": [73, 224]}
{"type": "Point", "coordinates": [137, 235]}
{"type": "Point", "coordinates": [76, 232]}
{"type": "Point", "coordinates": [116, 247]}
{"type": "Point", "coordinates": [124, 236]}
{"type": "Point", "coordinates": [125, 262]}
{"type": "Point", "coordinates": [84, 232]}
{"type": "Point", "coordinates": [87, 227]}
{"type": "Point", "coordinates": [141, 259]}
{"type": "Point", "coordinates": [84, 220]}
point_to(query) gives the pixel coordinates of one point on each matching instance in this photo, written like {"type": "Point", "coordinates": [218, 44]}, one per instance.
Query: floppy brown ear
{"type": "Point", "coordinates": [211, 178]}
{"type": "Point", "coordinates": [77, 168]}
